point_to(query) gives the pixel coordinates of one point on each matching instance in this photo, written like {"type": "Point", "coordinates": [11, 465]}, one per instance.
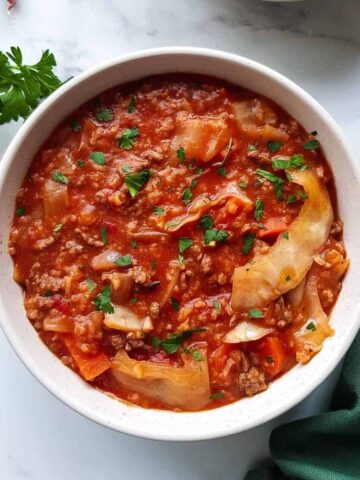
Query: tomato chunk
{"type": "Point", "coordinates": [273, 227]}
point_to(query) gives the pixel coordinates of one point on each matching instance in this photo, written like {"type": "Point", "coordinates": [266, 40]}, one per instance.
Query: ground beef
{"type": "Point", "coordinates": [252, 382]}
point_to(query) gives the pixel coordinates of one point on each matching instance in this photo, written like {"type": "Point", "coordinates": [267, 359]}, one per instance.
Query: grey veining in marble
{"type": "Point", "coordinates": [317, 44]}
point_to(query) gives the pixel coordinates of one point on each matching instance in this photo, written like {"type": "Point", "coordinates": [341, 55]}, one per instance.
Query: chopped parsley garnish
{"type": "Point", "coordinates": [251, 147]}
{"type": "Point", "coordinates": [291, 199]}
{"type": "Point", "coordinates": [217, 305]}
{"type": "Point", "coordinates": [132, 105]}
{"type": "Point", "coordinates": [222, 169]}
{"type": "Point", "coordinates": [286, 235]}
{"type": "Point", "coordinates": [181, 154]}
{"type": "Point", "coordinates": [249, 240]}
{"type": "Point", "coordinates": [199, 171]}
{"type": "Point", "coordinates": [48, 293]}
{"type": "Point", "coordinates": [215, 235]}
{"type": "Point", "coordinates": [81, 163]}
{"type": "Point", "coordinates": [20, 211]}
{"type": "Point", "coordinates": [256, 313]}
{"type": "Point", "coordinates": [103, 301]}
{"type": "Point", "coordinates": [278, 188]}
{"type": "Point", "coordinates": [302, 195]}
{"type": "Point", "coordinates": [181, 259]}
{"type": "Point", "coordinates": [75, 125]}
{"type": "Point", "coordinates": [193, 183]}
{"type": "Point", "coordinates": [311, 145]}
{"type": "Point", "coordinates": [172, 344]}
{"type": "Point", "coordinates": [58, 227]}
{"type": "Point", "coordinates": [128, 137]}
{"type": "Point", "coordinates": [98, 158]}
{"type": "Point", "coordinates": [187, 196]}
{"type": "Point", "coordinates": [296, 161]}
{"type": "Point", "coordinates": [173, 223]}
{"type": "Point", "coordinates": [198, 357]}
{"type": "Point", "coordinates": [124, 261]}
{"type": "Point", "coordinates": [158, 211]}
{"type": "Point", "coordinates": [259, 181]}
{"type": "Point", "coordinates": [126, 168]}
{"type": "Point", "coordinates": [274, 146]}
{"type": "Point", "coordinates": [206, 222]}
{"type": "Point", "coordinates": [191, 164]}
{"type": "Point", "coordinates": [243, 185]}
{"type": "Point", "coordinates": [311, 326]}
{"type": "Point", "coordinates": [104, 115]}
{"type": "Point", "coordinates": [259, 209]}
{"type": "Point", "coordinates": [184, 244]}
{"type": "Point", "coordinates": [134, 244]}
{"type": "Point", "coordinates": [134, 181]}
{"type": "Point", "coordinates": [60, 177]}
{"type": "Point", "coordinates": [174, 304]}
{"type": "Point", "coordinates": [153, 263]}
{"type": "Point", "coordinates": [103, 232]}
{"type": "Point", "coordinates": [133, 300]}
{"type": "Point", "coordinates": [269, 176]}
{"type": "Point", "coordinates": [217, 395]}
{"type": "Point", "coordinates": [91, 284]}
{"type": "Point", "coordinates": [269, 359]}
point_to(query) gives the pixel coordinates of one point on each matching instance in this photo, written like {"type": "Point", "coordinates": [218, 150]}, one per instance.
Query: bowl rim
{"type": "Point", "coordinates": [16, 342]}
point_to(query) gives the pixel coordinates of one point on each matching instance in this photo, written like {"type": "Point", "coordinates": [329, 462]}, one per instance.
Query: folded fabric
{"type": "Point", "coordinates": [326, 446]}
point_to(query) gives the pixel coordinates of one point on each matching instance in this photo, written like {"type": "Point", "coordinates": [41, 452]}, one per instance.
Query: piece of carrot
{"type": "Point", "coordinates": [219, 357]}
{"type": "Point", "coordinates": [273, 227]}
{"type": "Point", "coordinates": [275, 355]}
{"type": "Point", "coordinates": [90, 366]}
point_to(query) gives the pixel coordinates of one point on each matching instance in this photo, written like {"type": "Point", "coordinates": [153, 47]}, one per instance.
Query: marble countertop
{"type": "Point", "coordinates": [317, 44]}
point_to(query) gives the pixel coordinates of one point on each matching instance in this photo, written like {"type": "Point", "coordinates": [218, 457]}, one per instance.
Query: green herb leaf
{"type": "Point", "coordinates": [259, 209]}
{"type": "Point", "coordinates": [274, 146]}
{"type": "Point", "coordinates": [296, 161]}
{"type": "Point", "coordinates": [251, 147]}
{"type": "Point", "coordinates": [58, 227]}
{"type": "Point", "coordinates": [172, 344]}
{"type": "Point", "coordinates": [134, 244]}
{"type": "Point", "coordinates": [181, 154]}
{"type": "Point", "coordinates": [279, 189]}
{"type": "Point", "coordinates": [158, 211]}
{"type": "Point", "coordinates": [81, 163]}
{"type": "Point", "coordinates": [134, 300]}
{"type": "Point", "coordinates": [311, 145]}
{"type": "Point", "coordinates": [98, 157]}
{"type": "Point", "coordinates": [124, 261]}
{"type": "Point", "coordinates": [75, 125]}
{"type": "Point", "coordinates": [23, 86]}
{"type": "Point", "coordinates": [134, 181]}
{"type": "Point", "coordinates": [103, 301]}
{"type": "Point", "coordinates": [311, 326]}
{"type": "Point", "coordinates": [217, 305]}
{"type": "Point", "coordinates": [48, 293]}
{"type": "Point", "coordinates": [303, 195]}
{"type": "Point", "coordinates": [132, 105]}
{"type": "Point", "coordinates": [91, 284]}
{"type": "Point", "coordinates": [173, 223]}
{"type": "Point", "coordinates": [187, 196]}
{"type": "Point", "coordinates": [174, 304]}
{"type": "Point", "coordinates": [153, 263]}
{"type": "Point", "coordinates": [269, 176]}
{"type": "Point", "coordinates": [20, 211]}
{"type": "Point", "coordinates": [243, 185]}
{"type": "Point", "coordinates": [60, 177]}
{"type": "Point", "coordinates": [286, 235]}
{"type": "Point", "coordinates": [215, 235]}
{"type": "Point", "coordinates": [269, 359]}
{"type": "Point", "coordinates": [104, 115]}
{"type": "Point", "coordinates": [128, 137]}
{"type": "Point", "coordinates": [126, 168]}
{"type": "Point", "coordinates": [291, 199]}
{"type": "Point", "coordinates": [184, 244]}
{"type": "Point", "coordinates": [248, 243]}
{"type": "Point", "coordinates": [206, 222]}
{"type": "Point", "coordinates": [256, 313]}
{"type": "Point", "coordinates": [217, 395]}
{"type": "Point", "coordinates": [222, 171]}
{"type": "Point", "coordinates": [104, 238]}
{"type": "Point", "coordinates": [199, 171]}
{"type": "Point", "coordinates": [198, 357]}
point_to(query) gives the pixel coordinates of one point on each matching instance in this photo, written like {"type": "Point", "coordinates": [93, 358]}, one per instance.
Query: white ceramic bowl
{"type": "Point", "coordinates": [285, 392]}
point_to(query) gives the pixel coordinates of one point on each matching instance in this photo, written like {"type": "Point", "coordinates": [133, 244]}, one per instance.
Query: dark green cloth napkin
{"type": "Point", "coordinates": [326, 446]}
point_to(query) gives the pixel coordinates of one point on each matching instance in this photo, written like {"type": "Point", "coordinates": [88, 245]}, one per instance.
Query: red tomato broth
{"type": "Point", "coordinates": [98, 198]}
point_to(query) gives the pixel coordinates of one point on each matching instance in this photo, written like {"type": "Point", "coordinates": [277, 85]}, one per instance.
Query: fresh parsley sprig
{"type": "Point", "coordinates": [23, 86]}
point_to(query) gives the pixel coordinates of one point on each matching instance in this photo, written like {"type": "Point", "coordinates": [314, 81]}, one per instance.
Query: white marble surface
{"type": "Point", "coordinates": [317, 44]}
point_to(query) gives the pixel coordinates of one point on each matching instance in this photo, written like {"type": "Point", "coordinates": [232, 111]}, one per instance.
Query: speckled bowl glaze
{"type": "Point", "coordinates": [285, 392]}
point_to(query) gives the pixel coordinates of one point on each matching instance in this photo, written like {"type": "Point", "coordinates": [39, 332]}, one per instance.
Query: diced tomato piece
{"type": "Point", "coordinates": [61, 304]}
{"type": "Point", "coordinates": [276, 356]}
{"type": "Point", "coordinates": [90, 366]}
{"type": "Point", "coordinates": [273, 227]}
